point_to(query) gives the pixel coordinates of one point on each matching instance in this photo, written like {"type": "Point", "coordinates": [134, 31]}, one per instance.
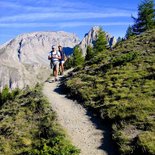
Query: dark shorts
{"type": "Point", "coordinates": [62, 61]}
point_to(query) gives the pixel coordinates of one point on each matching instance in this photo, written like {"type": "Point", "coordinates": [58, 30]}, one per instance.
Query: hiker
{"type": "Point", "coordinates": [54, 56]}
{"type": "Point", "coordinates": [62, 60]}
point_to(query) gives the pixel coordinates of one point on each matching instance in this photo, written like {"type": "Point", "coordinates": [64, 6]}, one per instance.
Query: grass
{"type": "Point", "coordinates": [119, 84]}
{"type": "Point", "coordinates": [28, 126]}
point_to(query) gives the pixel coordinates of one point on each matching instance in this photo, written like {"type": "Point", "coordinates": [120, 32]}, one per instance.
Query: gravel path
{"type": "Point", "coordinates": [84, 133]}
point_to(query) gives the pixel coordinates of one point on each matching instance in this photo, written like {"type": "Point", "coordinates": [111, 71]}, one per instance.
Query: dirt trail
{"type": "Point", "coordinates": [85, 131]}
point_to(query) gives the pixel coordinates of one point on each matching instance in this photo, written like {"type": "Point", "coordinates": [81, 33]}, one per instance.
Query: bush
{"type": "Point", "coordinates": [28, 126]}
{"type": "Point", "coordinates": [122, 91]}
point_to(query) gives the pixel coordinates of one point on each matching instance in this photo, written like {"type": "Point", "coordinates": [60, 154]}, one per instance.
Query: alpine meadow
{"type": "Point", "coordinates": [98, 100]}
{"type": "Point", "coordinates": [119, 84]}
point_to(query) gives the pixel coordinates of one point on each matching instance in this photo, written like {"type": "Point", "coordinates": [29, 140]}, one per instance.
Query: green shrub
{"type": "Point", "coordinates": [146, 142]}
{"type": "Point", "coordinates": [69, 63]}
{"type": "Point", "coordinates": [119, 85]}
{"type": "Point", "coordinates": [28, 126]}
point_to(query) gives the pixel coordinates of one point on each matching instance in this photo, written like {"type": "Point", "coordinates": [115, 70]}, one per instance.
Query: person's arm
{"type": "Point", "coordinates": [49, 56]}
{"type": "Point", "coordinates": [59, 55]}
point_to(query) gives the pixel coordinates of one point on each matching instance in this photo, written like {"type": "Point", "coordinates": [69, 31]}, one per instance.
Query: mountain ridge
{"type": "Point", "coordinates": [91, 37]}
{"type": "Point", "coordinates": [27, 56]}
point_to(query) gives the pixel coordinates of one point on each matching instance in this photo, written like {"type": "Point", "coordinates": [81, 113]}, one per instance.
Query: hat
{"type": "Point", "coordinates": [54, 46]}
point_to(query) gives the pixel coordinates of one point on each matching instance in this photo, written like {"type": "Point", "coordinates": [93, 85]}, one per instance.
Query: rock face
{"type": "Point", "coordinates": [23, 60]}
{"type": "Point", "coordinates": [91, 37]}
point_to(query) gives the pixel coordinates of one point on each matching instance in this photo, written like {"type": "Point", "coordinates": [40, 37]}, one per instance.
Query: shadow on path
{"type": "Point", "coordinates": [107, 143]}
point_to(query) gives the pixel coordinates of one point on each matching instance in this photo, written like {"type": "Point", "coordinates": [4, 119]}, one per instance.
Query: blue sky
{"type": "Point", "coordinates": [19, 16]}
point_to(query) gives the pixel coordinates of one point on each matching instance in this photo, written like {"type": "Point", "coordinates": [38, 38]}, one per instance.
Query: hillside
{"type": "Point", "coordinates": [119, 86]}
{"type": "Point", "coordinates": [29, 125]}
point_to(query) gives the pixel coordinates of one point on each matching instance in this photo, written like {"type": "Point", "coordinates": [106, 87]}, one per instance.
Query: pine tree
{"type": "Point", "coordinates": [146, 17]}
{"type": "Point", "coordinates": [78, 58]}
{"type": "Point", "coordinates": [69, 62]}
{"type": "Point", "coordinates": [129, 32]}
{"type": "Point", "coordinates": [89, 53]}
{"type": "Point", "coordinates": [5, 95]}
{"type": "Point", "coordinates": [101, 42]}
{"type": "Point", "coordinates": [119, 39]}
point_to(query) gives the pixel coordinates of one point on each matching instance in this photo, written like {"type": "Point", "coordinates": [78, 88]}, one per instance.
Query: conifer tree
{"type": "Point", "coordinates": [89, 53]}
{"type": "Point", "coordinates": [129, 32]}
{"type": "Point", "coordinates": [5, 95]}
{"type": "Point", "coordinates": [146, 17]}
{"type": "Point", "coordinates": [69, 62]}
{"type": "Point", "coordinates": [101, 42]}
{"type": "Point", "coordinates": [78, 58]}
{"type": "Point", "coordinates": [119, 39]}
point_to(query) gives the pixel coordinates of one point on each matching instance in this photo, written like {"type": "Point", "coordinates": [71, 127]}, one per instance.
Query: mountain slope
{"type": "Point", "coordinates": [29, 126]}
{"type": "Point", "coordinates": [119, 85]}
{"type": "Point", "coordinates": [23, 60]}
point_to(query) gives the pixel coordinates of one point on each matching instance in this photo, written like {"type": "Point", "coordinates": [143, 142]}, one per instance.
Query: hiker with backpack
{"type": "Point", "coordinates": [54, 56]}
{"type": "Point", "coordinates": [62, 60]}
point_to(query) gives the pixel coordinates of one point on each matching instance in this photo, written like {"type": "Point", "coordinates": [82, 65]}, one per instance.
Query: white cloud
{"type": "Point", "coordinates": [41, 6]}
{"type": "Point", "coordinates": [62, 16]}
{"type": "Point", "coordinates": [46, 12]}
{"type": "Point", "coordinates": [62, 24]}
{"type": "Point", "coordinates": [21, 25]}
{"type": "Point", "coordinates": [78, 24]}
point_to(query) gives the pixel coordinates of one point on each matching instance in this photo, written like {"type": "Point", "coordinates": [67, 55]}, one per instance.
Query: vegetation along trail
{"type": "Point", "coordinates": [85, 131]}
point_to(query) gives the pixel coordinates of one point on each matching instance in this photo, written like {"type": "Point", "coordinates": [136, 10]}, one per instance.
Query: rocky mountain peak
{"type": "Point", "coordinates": [91, 36]}
{"type": "Point", "coordinates": [23, 60]}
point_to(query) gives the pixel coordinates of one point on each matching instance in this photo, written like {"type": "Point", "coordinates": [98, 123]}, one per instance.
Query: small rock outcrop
{"type": "Point", "coordinates": [23, 60]}
{"type": "Point", "coordinates": [91, 37]}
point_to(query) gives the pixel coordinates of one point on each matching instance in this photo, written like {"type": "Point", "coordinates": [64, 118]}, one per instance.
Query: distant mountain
{"type": "Point", "coordinates": [23, 60]}
{"type": "Point", "coordinates": [91, 37]}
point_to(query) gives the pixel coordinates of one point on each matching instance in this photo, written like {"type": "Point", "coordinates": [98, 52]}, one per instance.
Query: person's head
{"type": "Point", "coordinates": [53, 48]}
{"type": "Point", "coordinates": [60, 47]}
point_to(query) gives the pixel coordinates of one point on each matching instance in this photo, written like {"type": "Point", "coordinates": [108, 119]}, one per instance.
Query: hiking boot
{"type": "Point", "coordinates": [50, 81]}
{"type": "Point", "coordinates": [56, 79]}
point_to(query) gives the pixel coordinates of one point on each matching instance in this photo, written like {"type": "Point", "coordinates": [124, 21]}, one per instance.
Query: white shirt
{"type": "Point", "coordinates": [54, 54]}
